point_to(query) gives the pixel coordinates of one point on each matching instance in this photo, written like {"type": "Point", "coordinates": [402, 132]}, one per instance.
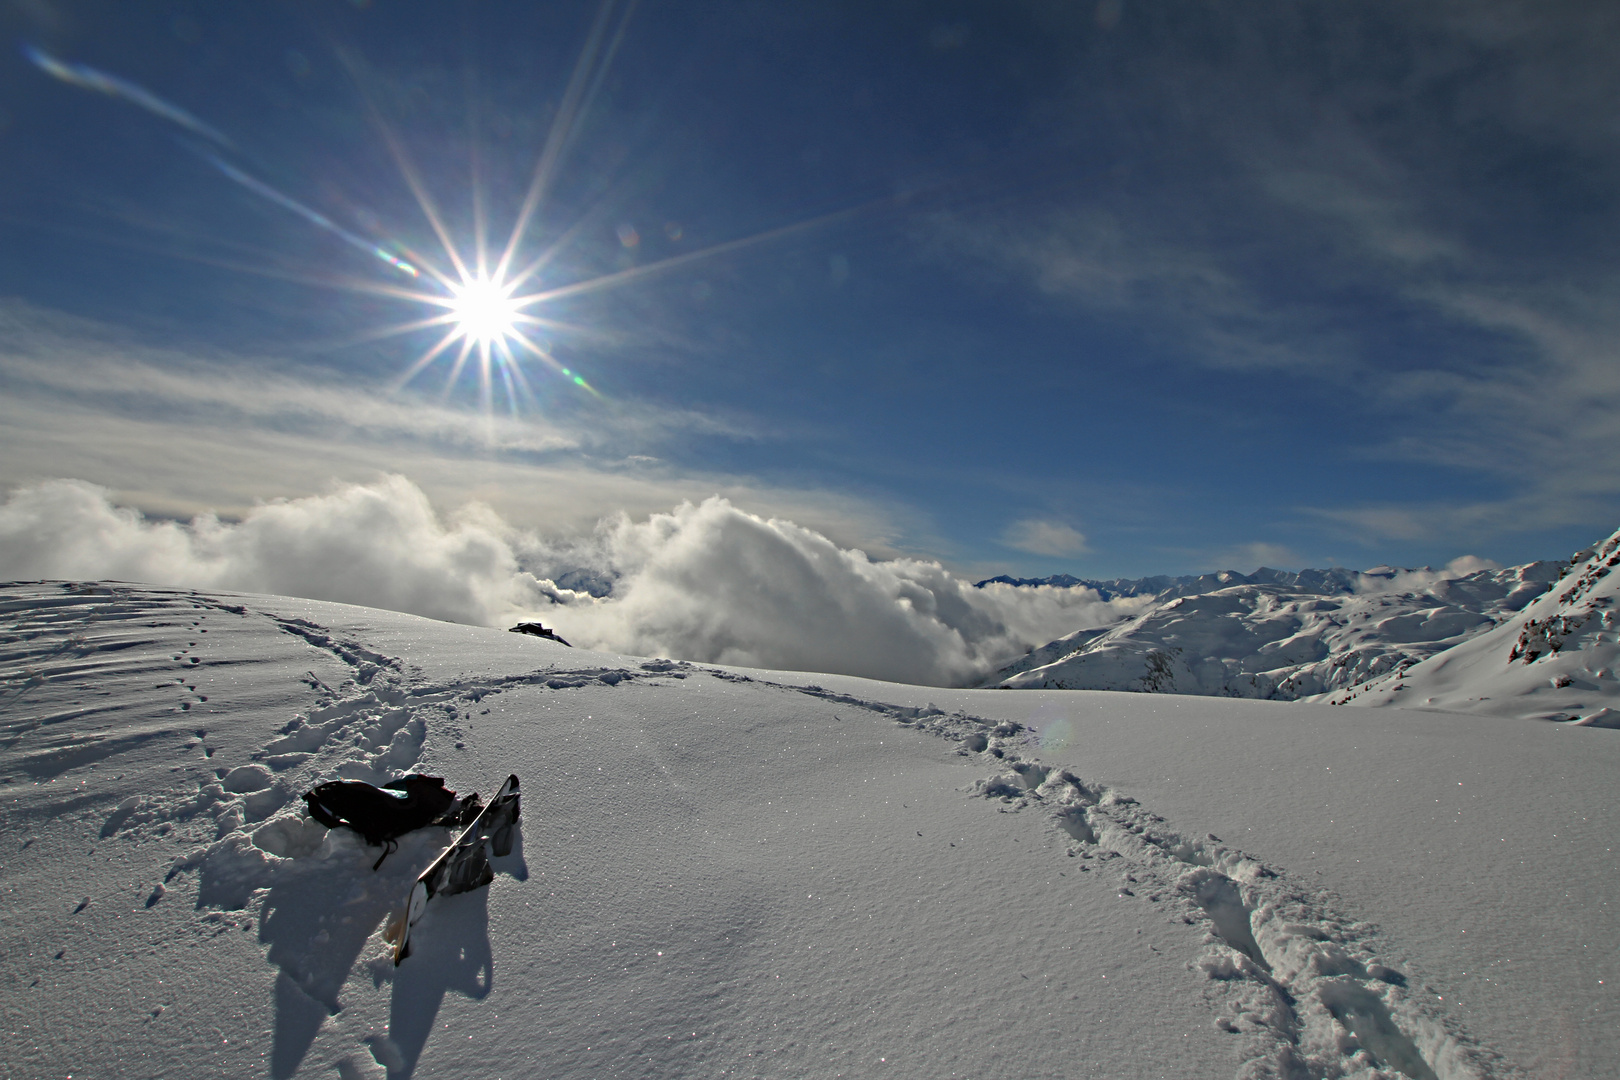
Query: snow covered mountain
{"type": "Point", "coordinates": [1165, 587]}
{"type": "Point", "coordinates": [1554, 661]}
{"type": "Point", "coordinates": [730, 873]}
{"type": "Point", "coordinates": [1283, 636]}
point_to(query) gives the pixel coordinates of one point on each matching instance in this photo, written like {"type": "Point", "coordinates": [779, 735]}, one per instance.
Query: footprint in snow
{"type": "Point", "coordinates": [1300, 981]}
{"type": "Point", "coordinates": [1319, 1004]}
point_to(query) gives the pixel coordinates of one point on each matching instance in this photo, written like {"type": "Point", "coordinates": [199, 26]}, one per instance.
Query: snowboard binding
{"type": "Point", "coordinates": [463, 866]}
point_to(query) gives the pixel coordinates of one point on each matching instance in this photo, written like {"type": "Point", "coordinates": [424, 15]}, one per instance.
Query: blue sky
{"type": "Point", "coordinates": [1108, 289]}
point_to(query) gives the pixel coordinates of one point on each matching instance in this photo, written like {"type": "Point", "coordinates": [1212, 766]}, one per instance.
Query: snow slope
{"type": "Point", "coordinates": [1300, 639]}
{"type": "Point", "coordinates": [1555, 661]}
{"type": "Point", "coordinates": [767, 874]}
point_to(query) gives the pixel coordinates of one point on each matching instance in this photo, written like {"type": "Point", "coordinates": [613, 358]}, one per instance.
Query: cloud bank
{"type": "Point", "coordinates": [705, 582]}
{"type": "Point", "coordinates": [711, 582]}
{"type": "Point", "coordinates": [381, 545]}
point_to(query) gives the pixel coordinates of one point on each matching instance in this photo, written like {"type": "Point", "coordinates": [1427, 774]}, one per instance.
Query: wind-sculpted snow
{"type": "Point", "coordinates": [1284, 642]}
{"type": "Point", "coordinates": [723, 872]}
{"type": "Point", "coordinates": [251, 850]}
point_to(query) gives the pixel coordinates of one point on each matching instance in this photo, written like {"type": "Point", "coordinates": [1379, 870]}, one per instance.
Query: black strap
{"type": "Point", "coordinates": [389, 847]}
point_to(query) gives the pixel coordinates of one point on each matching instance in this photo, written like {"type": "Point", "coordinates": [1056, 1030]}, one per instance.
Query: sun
{"type": "Point", "coordinates": [483, 311]}
{"type": "Point", "coordinates": [487, 306]}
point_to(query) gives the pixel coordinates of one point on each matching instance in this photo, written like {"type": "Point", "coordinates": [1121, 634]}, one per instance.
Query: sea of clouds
{"type": "Point", "coordinates": [705, 582]}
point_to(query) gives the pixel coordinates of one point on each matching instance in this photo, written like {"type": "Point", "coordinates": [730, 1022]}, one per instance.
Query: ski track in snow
{"type": "Point", "coordinates": [1303, 985]}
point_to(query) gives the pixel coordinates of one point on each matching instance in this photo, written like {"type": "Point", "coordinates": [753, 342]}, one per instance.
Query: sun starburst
{"type": "Point", "coordinates": [483, 310]}
{"type": "Point", "coordinates": [488, 302]}
{"type": "Point", "coordinates": [487, 321]}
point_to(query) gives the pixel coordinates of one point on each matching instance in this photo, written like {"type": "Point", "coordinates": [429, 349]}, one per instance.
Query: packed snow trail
{"type": "Point", "coordinates": [721, 875]}
{"type": "Point", "coordinates": [1317, 967]}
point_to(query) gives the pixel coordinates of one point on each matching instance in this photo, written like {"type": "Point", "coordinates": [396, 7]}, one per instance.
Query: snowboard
{"type": "Point", "coordinates": [461, 867]}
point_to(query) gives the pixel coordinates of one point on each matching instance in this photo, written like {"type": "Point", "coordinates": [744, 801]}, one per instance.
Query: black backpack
{"type": "Point", "coordinates": [382, 813]}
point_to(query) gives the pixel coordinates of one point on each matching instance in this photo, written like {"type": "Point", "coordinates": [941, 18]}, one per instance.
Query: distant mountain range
{"type": "Point", "coordinates": [1537, 640]}
{"type": "Point", "coordinates": [1163, 587]}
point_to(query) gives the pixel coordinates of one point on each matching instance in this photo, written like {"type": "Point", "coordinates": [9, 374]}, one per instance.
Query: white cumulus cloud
{"type": "Point", "coordinates": [381, 545]}
{"type": "Point", "coordinates": [706, 582]}
{"type": "Point", "coordinates": [712, 582]}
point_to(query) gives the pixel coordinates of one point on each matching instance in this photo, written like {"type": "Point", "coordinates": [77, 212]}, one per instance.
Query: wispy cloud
{"type": "Point", "coordinates": [1539, 412]}
{"type": "Point", "coordinates": [1120, 266]}
{"type": "Point", "coordinates": [1041, 537]}
{"type": "Point", "coordinates": [176, 434]}
{"type": "Point", "coordinates": [1256, 554]}
{"type": "Point", "coordinates": [89, 366]}
{"type": "Point", "coordinates": [1401, 205]}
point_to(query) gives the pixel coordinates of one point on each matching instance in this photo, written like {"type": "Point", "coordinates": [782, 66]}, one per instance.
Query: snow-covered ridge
{"type": "Point", "coordinates": [1555, 660]}
{"type": "Point", "coordinates": [1166, 587]}
{"type": "Point", "coordinates": [1283, 636]}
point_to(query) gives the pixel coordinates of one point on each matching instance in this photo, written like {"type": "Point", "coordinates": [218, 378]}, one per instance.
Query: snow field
{"type": "Point", "coordinates": [727, 873]}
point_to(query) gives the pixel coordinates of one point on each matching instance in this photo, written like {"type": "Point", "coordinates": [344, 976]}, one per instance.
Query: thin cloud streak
{"type": "Point", "coordinates": [1041, 537]}
{"type": "Point", "coordinates": [70, 361]}
{"type": "Point", "coordinates": [89, 78]}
